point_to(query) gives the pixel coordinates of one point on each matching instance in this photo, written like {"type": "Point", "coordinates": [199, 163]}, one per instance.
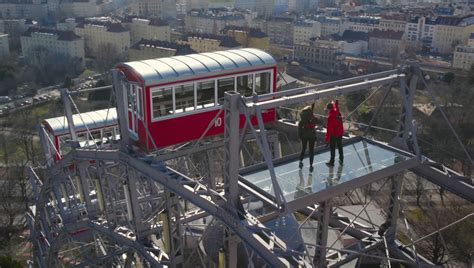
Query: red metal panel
{"type": "Point", "coordinates": [191, 127]}
{"type": "Point", "coordinates": [56, 154]}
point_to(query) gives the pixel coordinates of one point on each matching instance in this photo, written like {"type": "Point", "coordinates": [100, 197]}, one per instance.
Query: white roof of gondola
{"type": "Point", "coordinates": [94, 119]}
{"type": "Point", "coordinates": [159, 70]}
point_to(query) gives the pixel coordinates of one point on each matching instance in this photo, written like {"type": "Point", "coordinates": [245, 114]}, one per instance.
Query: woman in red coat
{"type": "Point", "coordinates": [334, 132]}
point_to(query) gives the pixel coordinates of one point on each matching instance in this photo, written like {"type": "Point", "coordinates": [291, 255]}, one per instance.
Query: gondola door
{"type": "Point", "coordinates": [135, 112]}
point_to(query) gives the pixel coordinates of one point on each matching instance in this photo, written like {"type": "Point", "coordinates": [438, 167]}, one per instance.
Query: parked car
{"type": "Point", "coordinates": [5, 99]}
{"type": "Point", "coordinates": [17, 97]}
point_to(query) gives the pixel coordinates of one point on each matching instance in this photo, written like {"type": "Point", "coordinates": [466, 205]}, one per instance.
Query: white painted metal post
{"type": "Point", "coordinates": [231, 167]}
{"type": "Point", "coordinates": [275, 145]}
{"type": "Point", "coordinates": [84, 187]}
{"type": "Point", "coordinates": [394, 207]}
{"type": "Point", "coordinates": [231, 147]}
{"type": "Point", "coordinates": [407, 94]}
{"type": "Point", "coordinates": [322, 234]}
{"type": "Point", "coordinates": [122, 108]}
{"type": "Point", "coordinates": [69, 117]}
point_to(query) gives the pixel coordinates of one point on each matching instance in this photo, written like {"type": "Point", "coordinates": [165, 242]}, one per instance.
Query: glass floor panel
{"type": "Point", "coordinates": [361, 157]}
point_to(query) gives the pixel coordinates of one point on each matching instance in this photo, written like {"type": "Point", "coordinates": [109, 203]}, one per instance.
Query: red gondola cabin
{"type": "Point", "coordinates": [174, 99]}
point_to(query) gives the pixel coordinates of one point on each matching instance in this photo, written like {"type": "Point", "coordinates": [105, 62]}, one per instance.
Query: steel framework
{"type": "Point", "coordinates": [111, 205]}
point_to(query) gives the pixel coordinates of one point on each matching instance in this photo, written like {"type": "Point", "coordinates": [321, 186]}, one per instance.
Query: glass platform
{"type": "Point", "coordinates": [361, 157]}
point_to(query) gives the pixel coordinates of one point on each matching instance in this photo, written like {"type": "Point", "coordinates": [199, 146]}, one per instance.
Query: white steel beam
{"type": "Point", "coordinates": [315, 95]}
{"type": "Point", "coordinates": [326, 85]}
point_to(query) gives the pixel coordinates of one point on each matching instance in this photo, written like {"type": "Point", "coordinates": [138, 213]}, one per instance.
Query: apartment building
{"type": "Point", "coordinates": [463, 57]}
{"type": "Point", "coordinates": [246, 4]}
{"type": "Point", "coordinates": [209, 42]}
{"type": "Point", "coordinates": [413, 30]}
{"type": "Point", "coordinates": [79, 8]}
{"type": "Point", "coordinates": [427, 34]}
{"type": "Point", "coordinates": [363, 23]}
{"type": "Point", "coordinates": [212, 22]}
{"type": "Point", "coordinates": [304, 30]}
{"type": "Point", "coordinates": [153, 29]}
{"type": "Point", "coordinates": [450, 32]}
{"type": "Point", "coordinates": [302, 6]}
{"type": "Point", "coordinates": [248, 37]}
{"type": "Point", "coordinates": [331, 25]}
{"type": "Point", "coordinates": [386, 43]}
{"type": "Point", "coordinates": [15, 27]}
{"type": "Point", "coordinates": [66, 24]}
{"type": "Point", "coordinates": [4, 46]}
{"type": "Point", "coordinates": [56, 41]}
{"type": "Point", "coordinates": [153, 49]}
{"type": "Point", "coordinates": [353, 43]}
{"type": "Point", "coordinates": [196, 5]}
{"type": "Point", "coordinates": [100, 33]}
{"type": "Point", "coordinates": [470, 41]}
{"type": "Point", "coordinates": [395, 22]}
{"type": "Point", "coordinates": [25, 9]}
{"type": "Point", "coordinates": [279, 29]}
{"type": "Point", "coordinates": [164, 9]}
{"type": "Point", "coordinates": [321, 54]}
{"type": "Point", "coordinates": [265, 8]}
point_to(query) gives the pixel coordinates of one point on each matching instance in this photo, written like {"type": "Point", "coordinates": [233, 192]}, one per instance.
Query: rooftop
{"type": "Point", "coordinates": [180, 49]}
{"type": "Point", "coordinates": [253, 32]}
{"type": "Point", "coordinates": [111, 25]}
{"type": "Point", "coordinates": [62, 35]}
{"type": "Point", "coordinates": [116, 28]}
{"type": "Point", "coordinates": [328, 20]}
{"type": "Point", "coordinates": [282, 19]}
{"type": "Point", "coordinates": [445, 20]}
{"type": "Point", "coordinates": [226, 41]}
{"type": "Point", "coordinates": [413, 19]}
{"type": "Point", "coordinates": [28, 2]}
{"type": "Point", "coordinates": [83, 121]}
{"type": "Point", "coordinates": [216, 15]}
{"type": "Point", "coordinates": [305, 23]}
{"type": "Point", "coordinates": [388, 34]}
{"type": "Point", "coordinates": [351, 36]}
{"type": "Point", "coordinates": [397, 16]}
{"type": "Point", "coordinates": [162, 70]}
{"type": "Point", "coordinates": [158, 22]}
{"type": "Point", "coordinates": [365, 19]}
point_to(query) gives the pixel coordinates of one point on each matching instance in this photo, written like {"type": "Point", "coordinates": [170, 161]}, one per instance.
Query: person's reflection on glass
{"type": "Point", "coordinates": [333, 179]}
{"type": "Point", "coordinates": [397, 159]}
{"type": "Point", "coordinates": [301, 187]}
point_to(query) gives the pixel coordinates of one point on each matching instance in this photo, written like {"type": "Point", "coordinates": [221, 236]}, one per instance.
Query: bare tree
{"type": "Point", "coordinates": [107, 57]}
{"type": "Point", "coordinates": [50, 67]}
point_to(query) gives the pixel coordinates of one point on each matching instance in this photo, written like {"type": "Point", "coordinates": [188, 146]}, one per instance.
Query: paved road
{"type": "Point", "coordinates": [25, 102]}
{"type": "Point", "coordinates": [52, 92]}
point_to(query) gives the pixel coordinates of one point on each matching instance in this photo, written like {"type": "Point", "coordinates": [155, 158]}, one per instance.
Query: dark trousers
{"type": "Point", "coordinates": [333, 142]}
{"type": "Point", "coordinates": [304, 143]}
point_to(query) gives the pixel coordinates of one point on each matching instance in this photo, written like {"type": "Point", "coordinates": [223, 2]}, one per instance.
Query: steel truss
{"type": "Point", "coordinates": [117, 206]}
